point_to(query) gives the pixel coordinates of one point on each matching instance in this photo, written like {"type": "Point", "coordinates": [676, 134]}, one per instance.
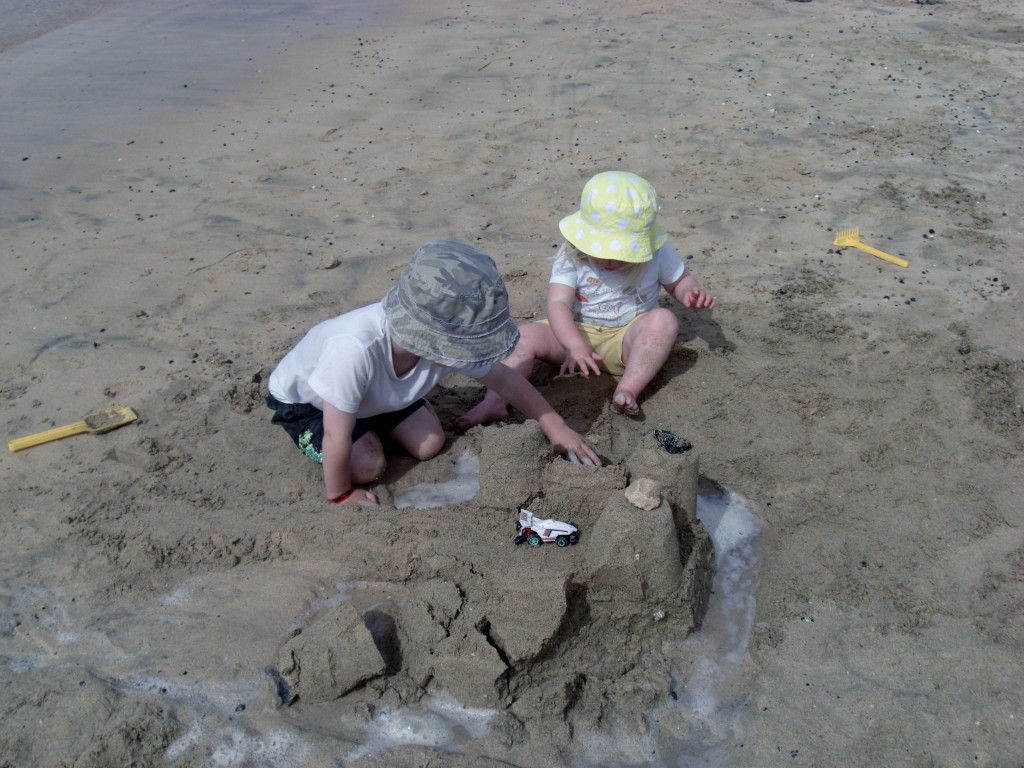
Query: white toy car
{"type": "Point", "coordinates": [535, 531]}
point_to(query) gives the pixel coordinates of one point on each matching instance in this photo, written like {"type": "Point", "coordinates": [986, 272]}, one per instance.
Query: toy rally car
{"type": "Point", "coordinates": [535, 531]}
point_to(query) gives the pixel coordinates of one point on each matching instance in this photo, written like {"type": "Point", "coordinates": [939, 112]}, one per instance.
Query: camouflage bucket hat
{"type": "Point", "coordinates": [617, 219]}
{"type": "Point", "coordinates": [450, 306]}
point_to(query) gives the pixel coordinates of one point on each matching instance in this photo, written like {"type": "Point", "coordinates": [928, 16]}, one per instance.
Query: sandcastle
{"type": "Point", "coordinates": [566, 631]}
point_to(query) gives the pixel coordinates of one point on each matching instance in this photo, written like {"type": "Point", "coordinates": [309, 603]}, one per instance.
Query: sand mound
{"type": "Point", "coordinates": [533, 632]}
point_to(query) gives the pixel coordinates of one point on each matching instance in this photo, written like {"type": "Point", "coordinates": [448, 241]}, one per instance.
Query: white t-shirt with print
{"type": "Point", "coordinates": [346, 361]}
{"type": "Point", "coordinates": [613, 298]}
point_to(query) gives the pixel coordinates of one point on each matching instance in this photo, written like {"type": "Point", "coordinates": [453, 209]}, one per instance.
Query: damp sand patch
{"type": "Point", "coordinates": [463, 486]}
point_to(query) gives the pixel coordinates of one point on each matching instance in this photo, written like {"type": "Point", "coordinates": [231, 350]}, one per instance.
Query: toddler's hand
{"type": "Point", "coordinates": [362, 497]}
{"type": "Point", "coordinates": [698, 298]}
{"type": "Point", "coordinates": [569, 442]}
{"type": "Point", "coordinates": [587, 455]}
{"type": "Point", "coordinates": [583, 360]}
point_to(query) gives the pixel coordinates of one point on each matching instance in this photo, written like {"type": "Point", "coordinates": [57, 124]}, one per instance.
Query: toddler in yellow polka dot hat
{"type": "Point", "coordinates": [603, 313]}
{"type": "Point", "coordinates": [617, 219]}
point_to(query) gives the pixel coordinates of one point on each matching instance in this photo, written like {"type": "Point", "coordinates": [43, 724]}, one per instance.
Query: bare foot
{"type": "Point", "coordinates": [624, 402]}
{"type": "Point", "coordinates": [483, 412]}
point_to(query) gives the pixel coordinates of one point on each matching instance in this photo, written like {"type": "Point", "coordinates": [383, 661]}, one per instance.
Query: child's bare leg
{"type": "Point", "coordinates": [367, 462]}
{"type": "Point", "coordinates": [420, 433]}
{"type": "Point", "coordinates": [645, 348]}
{"type": "Point", "coordinates": [536, 342]}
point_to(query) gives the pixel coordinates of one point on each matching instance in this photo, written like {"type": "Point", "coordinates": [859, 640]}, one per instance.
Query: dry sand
{"type": "Point", "coordinates": [187, 189]}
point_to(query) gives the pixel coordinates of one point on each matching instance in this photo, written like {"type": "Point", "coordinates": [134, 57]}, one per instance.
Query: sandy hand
{"type": "Point", "coordinates": [362, 497]}
{"type": "Point", "coordinates": [582, 453]}
{"type": "Point", "coordinates": [582, 360]}
{"type": "Point", "coordinates": [698, 298]}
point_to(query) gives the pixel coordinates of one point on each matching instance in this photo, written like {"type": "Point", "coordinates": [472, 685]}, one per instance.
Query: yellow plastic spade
{"type": "Point", "coordinates": [851, 237]}
{"type": "Point", "coordinates": [94, 423]}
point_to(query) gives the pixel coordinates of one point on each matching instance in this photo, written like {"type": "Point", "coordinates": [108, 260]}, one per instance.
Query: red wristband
{"type": "Point", "coordinates": [342, 497]}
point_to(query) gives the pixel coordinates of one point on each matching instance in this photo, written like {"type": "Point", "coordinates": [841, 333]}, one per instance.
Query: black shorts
{"type": "Point", "coordinates": [305, 423]}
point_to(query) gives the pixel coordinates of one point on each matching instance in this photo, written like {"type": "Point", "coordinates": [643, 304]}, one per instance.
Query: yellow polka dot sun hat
{"type": "Point", "coordinates": [617, 219]}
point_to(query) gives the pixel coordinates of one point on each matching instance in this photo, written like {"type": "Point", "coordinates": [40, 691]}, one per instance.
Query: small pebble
{"type": "Point", "coordinates": [644, 493]}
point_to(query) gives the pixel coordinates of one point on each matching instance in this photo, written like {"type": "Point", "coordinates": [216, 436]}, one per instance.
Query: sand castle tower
{"type": "Point", "coordinates": [637, 514]}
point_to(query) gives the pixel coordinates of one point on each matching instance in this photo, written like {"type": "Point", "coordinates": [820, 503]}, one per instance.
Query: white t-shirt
{"type": "Point", "coordinates": [346, 361]}
{"type": "Point", "coordinates": [613, 298]}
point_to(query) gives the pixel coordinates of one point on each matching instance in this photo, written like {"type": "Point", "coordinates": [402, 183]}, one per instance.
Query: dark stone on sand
{"type": "Point", "coordinates": [671, 442]}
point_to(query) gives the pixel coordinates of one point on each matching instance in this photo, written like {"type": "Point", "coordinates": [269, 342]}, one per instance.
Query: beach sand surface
{"type": "Point", "coordinates": [187, 188]}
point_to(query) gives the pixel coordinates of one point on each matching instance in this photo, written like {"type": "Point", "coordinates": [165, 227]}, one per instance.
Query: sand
{"type": "Point", "coordinates": [187, 189]}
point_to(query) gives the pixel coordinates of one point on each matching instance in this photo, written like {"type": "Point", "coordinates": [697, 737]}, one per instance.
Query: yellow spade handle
{"type": "Point", "coordinates": [882, 255]}
{"type": "Point", "coordinates": [49, 435]}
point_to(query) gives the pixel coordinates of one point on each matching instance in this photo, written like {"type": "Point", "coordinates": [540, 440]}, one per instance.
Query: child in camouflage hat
{"type": "Point", "coordinates": [364, 374]}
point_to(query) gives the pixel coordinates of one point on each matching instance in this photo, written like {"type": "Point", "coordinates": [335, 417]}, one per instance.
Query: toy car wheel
{"type": "Point", "coordinates": [562, 541]}
{"type": "Point", "coordinates": [533, 540]}
{"type": "Point", "coordinates": [573, 538]}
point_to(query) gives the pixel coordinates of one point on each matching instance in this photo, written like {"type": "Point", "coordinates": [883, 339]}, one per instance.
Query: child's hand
{"type": "Point", "coordinates": [583, 359]}
{"type": "Point", "coordinates": [362, 497]}
{"type": "Point", "coordinates": [698, 298]}
{"type": "Point", "coordinates": [568, 441]}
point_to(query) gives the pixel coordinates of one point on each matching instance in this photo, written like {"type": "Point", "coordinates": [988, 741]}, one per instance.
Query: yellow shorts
{"type": "Point", "coordinates": [607, 341]}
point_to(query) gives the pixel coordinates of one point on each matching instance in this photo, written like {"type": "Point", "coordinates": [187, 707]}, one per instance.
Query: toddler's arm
{"type": "Point", "coordinates": [687, 291]}
{"type": "Point", "coordinates": [523, 395]}
{"type": "Point", "coordinates": [578, 354]}
{"type": "Point", "coordinates": [337, 455]}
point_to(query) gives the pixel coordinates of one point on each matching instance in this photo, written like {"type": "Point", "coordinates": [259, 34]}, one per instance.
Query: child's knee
{"type": "Point", "coordinates": [537, 340]}
{"type": "Point", "coordinates": [664, 323]}
{"type": "Point", "coordinates": [538, 333]}
{"type": "Point", "coordinates": [429, 446]}
{"type": "Point", "coordinates": [368, 461]}
{"type": "Point", "coordinates": [368, 470]}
